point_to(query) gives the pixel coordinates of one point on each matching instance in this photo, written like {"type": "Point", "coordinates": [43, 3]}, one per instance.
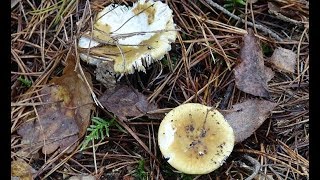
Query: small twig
{"type": "Point", "coordinates": [204, 87]}
{"type": "Point", "coordinates": [32, 103]}
{"type": "Point", "coordinates": [273, 158]}
{"type": "Point", "coordinates": [205, 37]}
{"type": "Point", "coordinates": [94, 97]}
{"type": "Point", "coordinates": [220, 47]}
{"type": "Point", "coordinates": [116, 37]}
{"type": "Point", "coordinates": [298, 57]}
{"type": "Point", "coordinates": [285, 18]}
{"type": "Point", "coordinates": [133, 17]}
{"type": "Point", "coordinates": [55, 158]}
{"type": "Point", "coordinates": [256, 167]}
{"type": "Point", "coordinates": [252, 16]}
{"type": "Point", "coordinates": [257, 26]}
{"type": "Point", "coordinates": [227, 96]}
{"type": "Point", "coordinates": [272, 10]}
{"type": "Point", "coordinates": [94, 157]}
{"type": "Point", "coordinates": [134, 135]}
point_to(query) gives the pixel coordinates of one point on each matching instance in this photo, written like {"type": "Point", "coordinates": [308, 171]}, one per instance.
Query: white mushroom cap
{"type": "Point", "coordinates": [132, 37]}
{"type": "Point", "coordinates": [195, 138]}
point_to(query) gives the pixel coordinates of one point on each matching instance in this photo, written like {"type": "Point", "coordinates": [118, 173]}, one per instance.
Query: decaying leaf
{"type": "Point", "coordinates": [125, 101]}
{"type": "Point", "coordinates": [246, 117]}
{"type": "Point", "coordinates": [284, 59]}
{"type": "Point", "coordinates": [81, 98]}
{"type": "Point", "coordinates": [251, 76]}
{"type": "Point", "coordinates": [55, 127]}
{"type": "Point", "coordinates": [64, 116]}
{"type": "Point", "coordinates": [21, 170]}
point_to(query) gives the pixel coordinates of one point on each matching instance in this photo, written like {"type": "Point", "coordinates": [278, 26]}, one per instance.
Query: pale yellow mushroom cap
{"type": "Point", "coordinates": [195, 139]}
{"type": "Point", "coordinates": [132, 37]}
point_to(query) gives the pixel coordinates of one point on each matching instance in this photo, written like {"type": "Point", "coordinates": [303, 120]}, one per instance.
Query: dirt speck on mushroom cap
{"type": "Point", "coordinates": [200, 138]}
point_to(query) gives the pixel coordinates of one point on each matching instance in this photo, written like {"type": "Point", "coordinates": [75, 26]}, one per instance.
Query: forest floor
{"type": "Point", "coordinates": [199, 68]}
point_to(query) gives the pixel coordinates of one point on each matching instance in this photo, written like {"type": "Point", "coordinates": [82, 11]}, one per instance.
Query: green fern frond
{"type": "Point", "coordinates": [99, 130]}
{"type": "Point", "coordinates": [25, 82]}
{"type": "Point", "coordinates": [140, 173]}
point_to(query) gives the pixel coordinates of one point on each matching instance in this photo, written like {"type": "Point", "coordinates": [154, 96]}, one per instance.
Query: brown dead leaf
{"type": "Point", "coordinates": [55, 127]}
{"type": "Point", "coordinates": [65, 116]}
{"type": "Point", "coordinates": [21, 170]}
{"type": "Point", "coordinates": [125, 101]}
{"type": "Point", "coordinates": [81, 98]}
{"type": "Point", "coordinates": [246, 117]}
{"type": "Point", "coordinates": [284, 59]}
{"type": "Point", "coordinates": [251, 76]}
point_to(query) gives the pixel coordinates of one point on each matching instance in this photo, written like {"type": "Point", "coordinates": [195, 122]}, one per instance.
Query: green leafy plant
{"type": "Point", "coordinates": [62, 7]}
{"type": "Point", "coordinates": [232, 4]}
{"type": "Point", "coordinates": [140, 173]}
{"type": "Point", "coordinates": [99, 130]}
{"type": "Point", "coordinates": [266, 49]}
{"type": "Point", "coordinates": [25, 82]}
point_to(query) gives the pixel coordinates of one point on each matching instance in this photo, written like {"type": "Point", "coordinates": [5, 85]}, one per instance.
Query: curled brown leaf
{"type": "Point", "coordinates": [246, 117]}
{"type": "Point", "coordinates": [251, 76]}
{"type": "Point", "coordinates": [64, 116]}
{"type": "Point", "coordinates": [284, 60]}
{"type": "Point", "coordinates": [125, 101]}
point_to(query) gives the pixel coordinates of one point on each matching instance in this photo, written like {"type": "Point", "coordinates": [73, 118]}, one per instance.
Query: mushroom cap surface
{"type": "Point", "coordinates": [195, 139]}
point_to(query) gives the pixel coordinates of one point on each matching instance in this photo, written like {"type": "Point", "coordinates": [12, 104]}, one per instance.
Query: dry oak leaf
{"type": "Point", "coordinates": [284, 59]}
{"type": "Point", "coordinates": [64, 116]}
{"type": "Point", "coordinates": [246, 117]}
{"type": "Point", "coordinates": [251, 76]}
{"type": "Point", "coordinates": [124, 101]}
{"type": "Point", "coordinates": [80, 94]}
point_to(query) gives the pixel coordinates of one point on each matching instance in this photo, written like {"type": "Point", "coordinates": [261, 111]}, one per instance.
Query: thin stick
{"type": "Point", "coordinates": [271, 157]}
{"type": "Point", "coordinates": [94, 97]}
{"type": "Point", "coordinates": [260, 27]}
{"type": "Point", "coordinates": [256, 167]}
{"type": "Point", "coordinates": [252, 16]}
{"type": "Point", "coordinates": [94, 157]}
{"type": "Point", "coordinates": [133, 134]}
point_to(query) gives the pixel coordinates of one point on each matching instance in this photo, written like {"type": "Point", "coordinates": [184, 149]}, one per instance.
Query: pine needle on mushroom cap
{"type": "Point", "coordinates": [132, 37]}
{"type": "Point", "coordinates": [195, 139]}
